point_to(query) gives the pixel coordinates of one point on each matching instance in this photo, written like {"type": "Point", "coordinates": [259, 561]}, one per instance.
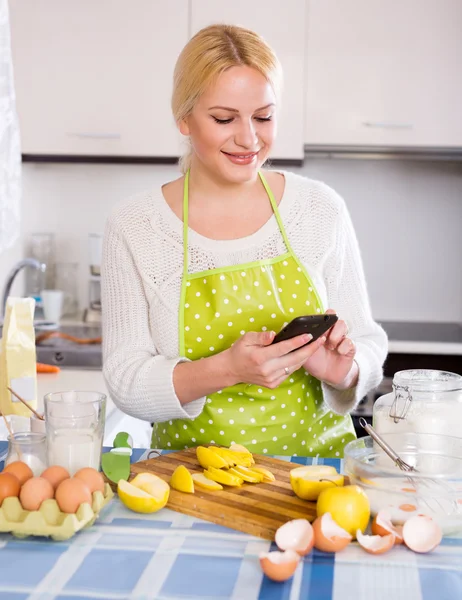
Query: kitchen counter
{"type": "Point", "coordinates": [407, 337]}
{"type": "Point", "coordinates": [173, 556]}
{"type": "Point", "coordinates": [72, 379]}
{"type": "Point", "coordinates": [89, 380]}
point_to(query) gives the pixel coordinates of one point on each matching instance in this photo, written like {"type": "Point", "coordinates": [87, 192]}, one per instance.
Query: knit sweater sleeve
{"type": "Point", "coordinates": [347, 295]}
{"type": "Point", "coordinates": [139, 379]}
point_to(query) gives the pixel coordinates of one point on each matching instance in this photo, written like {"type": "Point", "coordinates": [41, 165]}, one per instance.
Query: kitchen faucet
{"type": "Point", "coordinates": [27, 262]}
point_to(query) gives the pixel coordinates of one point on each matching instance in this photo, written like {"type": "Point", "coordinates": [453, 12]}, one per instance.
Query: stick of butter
{"type": "Point", "coordinates": [18, 362]}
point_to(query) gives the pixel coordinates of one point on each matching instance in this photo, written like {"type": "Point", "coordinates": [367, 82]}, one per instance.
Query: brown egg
{"type": "Point", "coordinates": [9, 486]}
{"type": "Point", "coordinates": [20, 470]}
{"type": "Point", "coordinates": [34, 492]}
{"type": "Point", "coordinates": [92, 478]}
{"type": "Point", "coordinates": [71, 493]}
{"type": "Point", "coordinates": [55, 475]}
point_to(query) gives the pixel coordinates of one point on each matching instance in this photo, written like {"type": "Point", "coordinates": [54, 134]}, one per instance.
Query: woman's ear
{"type": "Point", "coordinates": [183, 127]}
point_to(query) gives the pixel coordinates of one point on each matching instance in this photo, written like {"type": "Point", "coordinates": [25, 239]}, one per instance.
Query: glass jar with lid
{"type": "Point", "coordinates": [30, 448]}
{"type": "Point", "coordinates": [422, 401]}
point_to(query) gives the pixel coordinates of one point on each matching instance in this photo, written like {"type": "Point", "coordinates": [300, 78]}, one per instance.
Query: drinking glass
{"type": "Point", "coordinates": [74, 423]}
{"type": "Point", "coordinates": [41, 247]}
{"type": "Point", "coordinates": [66, 279]}
{"type": "Point", "coordinates": [96, 248]}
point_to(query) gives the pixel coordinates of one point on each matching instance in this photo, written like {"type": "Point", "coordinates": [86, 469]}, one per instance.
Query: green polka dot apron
{"type": "Point", "coordinates": [216, 308]}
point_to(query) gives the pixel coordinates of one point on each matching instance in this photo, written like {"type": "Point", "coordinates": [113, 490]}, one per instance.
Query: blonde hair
{"type": "Point", "coordinates": [211, 51]}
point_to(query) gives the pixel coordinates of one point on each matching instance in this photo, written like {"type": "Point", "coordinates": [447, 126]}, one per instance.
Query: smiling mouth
{"type": "Point", "coordinates": [241, 155]}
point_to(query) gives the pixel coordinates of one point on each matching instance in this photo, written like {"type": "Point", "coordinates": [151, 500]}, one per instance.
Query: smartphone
{"type": "Point", "coordinates": [314, 324]}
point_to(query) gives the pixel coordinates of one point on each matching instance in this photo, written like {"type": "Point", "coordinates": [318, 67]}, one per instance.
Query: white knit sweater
{"type": "Point", "coordinates": [141, 280]}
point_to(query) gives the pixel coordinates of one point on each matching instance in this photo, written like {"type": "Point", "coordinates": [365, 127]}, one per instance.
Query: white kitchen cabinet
{"type": "Point", "coordinates": [282, 24]}
{"type": "Point", "coordinates": [384, 74]}
{"type": "Point", "coordinates": [95, 78]}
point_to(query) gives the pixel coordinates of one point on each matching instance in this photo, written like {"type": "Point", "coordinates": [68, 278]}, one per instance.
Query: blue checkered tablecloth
{"type": "Point", "coordinates": [170, 556]}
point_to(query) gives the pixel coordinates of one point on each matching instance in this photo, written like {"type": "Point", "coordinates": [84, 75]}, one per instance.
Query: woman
{"type": "Point", "coordinates": [199, 275]}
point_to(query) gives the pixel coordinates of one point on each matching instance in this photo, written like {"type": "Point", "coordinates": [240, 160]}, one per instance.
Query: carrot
{"type": "Point", "coordinates": [42, 368]}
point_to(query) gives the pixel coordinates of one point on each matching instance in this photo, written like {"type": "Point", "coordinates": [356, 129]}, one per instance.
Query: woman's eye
{"type": "Point", "coordinates": [222, 121]}
{"type": "Point", "coordinates": [263, 119]}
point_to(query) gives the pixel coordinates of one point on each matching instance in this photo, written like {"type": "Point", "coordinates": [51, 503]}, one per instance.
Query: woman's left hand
{"type": "Point", "coordinates": [334, 361]}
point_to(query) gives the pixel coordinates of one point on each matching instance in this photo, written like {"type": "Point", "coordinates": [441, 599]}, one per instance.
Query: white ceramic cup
{"type": "Point", "coordinates": [52, 302]}
{"type": "Point", "coordinates": [36, 425]}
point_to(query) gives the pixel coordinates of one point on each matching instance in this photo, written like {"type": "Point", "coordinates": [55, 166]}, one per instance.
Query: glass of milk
{"type": "Point", "coordinates": [74, 424]}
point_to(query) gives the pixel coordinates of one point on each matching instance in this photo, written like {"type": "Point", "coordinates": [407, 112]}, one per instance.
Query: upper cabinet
{"type": "Point", "coordinates": [95, 78]}
{"type": "Point", "coordinates": [384, 74]}
{"type": "Point", "coordinates": [282, 25]}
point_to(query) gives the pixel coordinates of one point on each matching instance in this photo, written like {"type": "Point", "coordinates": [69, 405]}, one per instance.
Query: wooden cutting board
{"type": "Point", "coordinates": [258, 509]}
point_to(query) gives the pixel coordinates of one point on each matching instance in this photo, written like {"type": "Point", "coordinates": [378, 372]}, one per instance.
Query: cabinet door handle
{"type": "Point", "coordinates": [387, 125]}
{"type": "Point", "coordinates": [96, 136]}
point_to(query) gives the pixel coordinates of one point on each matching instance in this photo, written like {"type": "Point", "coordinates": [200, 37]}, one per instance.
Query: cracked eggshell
{"type": "Point", "coordinates": [328, 536]}
{"type": "Point", "coordinates": [375, 544]}
{"type": "Point", "coordinates": [422, 534]}
{"type": "Point", "coordinates": [382, 525]}
{"type": "Point", "coordinates": [295, 535]}
{"type": "Point", "coordinates": [279, 566]}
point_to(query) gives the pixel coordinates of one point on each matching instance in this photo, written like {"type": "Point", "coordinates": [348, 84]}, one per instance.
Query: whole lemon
{"type": "Point", "coordinates": [348, 505]}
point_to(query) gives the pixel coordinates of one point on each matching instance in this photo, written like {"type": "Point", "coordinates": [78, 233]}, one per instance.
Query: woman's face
{"type": "Point", "coordinates": [233, 125]}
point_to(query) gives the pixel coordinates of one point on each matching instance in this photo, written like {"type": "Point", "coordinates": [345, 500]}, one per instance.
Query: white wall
{"type": "Point", "coordinates": [408, 219]}
{"type": "Point", "coordinates": [407, 215]}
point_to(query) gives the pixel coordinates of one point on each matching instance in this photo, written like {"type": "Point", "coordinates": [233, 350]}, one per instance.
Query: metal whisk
{"type": "Point", "coordinates": [399, 462]}
{"type": "Point", "coordinates": [406, 467]}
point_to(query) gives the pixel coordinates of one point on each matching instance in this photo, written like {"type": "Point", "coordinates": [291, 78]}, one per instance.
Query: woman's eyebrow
{"type": "Point", "coordinates": [235, 109]}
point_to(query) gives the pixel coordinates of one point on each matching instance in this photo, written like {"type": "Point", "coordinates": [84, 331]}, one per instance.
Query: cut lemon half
{"type": "Point", "coordinates": [224, 477]}
{"type": "Point", "coordinates": [181, 480]}
{"type": "Point", "coordinates": [201, 481]}
{"type": "Point", "coordinates": [208, 458]}
{"type": "Point", "coordinates": [308, 482]}
{"type": "Point", "coordinates": [140, 501]}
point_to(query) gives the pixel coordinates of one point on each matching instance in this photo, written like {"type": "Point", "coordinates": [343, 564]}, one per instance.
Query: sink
{"type": "Point", "coordinates": [65, 353]}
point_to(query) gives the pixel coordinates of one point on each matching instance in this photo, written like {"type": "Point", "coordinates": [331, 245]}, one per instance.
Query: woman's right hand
{"type": "Point", "coordinates": [252, 358]}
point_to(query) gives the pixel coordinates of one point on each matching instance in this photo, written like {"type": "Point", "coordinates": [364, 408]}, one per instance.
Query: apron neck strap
{"type": "Point", "coordinates": [185, 224]}
{"type": "Point", "coordinates": [186, 217]}
{"type": "Point", "coordinates": [276, 212]}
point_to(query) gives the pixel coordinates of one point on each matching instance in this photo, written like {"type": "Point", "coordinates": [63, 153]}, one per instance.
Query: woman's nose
{"type": "Point", "coordinates": [246, 136]}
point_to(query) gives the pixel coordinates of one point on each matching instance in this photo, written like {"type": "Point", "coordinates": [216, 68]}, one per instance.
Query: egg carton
{"type": "Point", "coordinates": [49, 521]}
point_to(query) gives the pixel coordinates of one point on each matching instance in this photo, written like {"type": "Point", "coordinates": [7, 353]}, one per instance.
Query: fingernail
{"type": "Point", "coordinates": [323, 339]}
{"type": "Point", "coordinates": [307, 337]}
